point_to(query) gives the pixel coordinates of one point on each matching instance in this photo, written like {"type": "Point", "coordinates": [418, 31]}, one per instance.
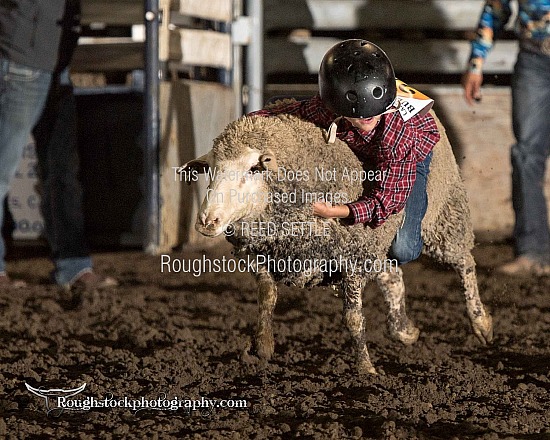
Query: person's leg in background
{"type": "Point", "coordinates": [530, 110]}
{"type": "Point", "coordinates": [23, 91]}
{"type": "Point", "coordinates": [58, 164]}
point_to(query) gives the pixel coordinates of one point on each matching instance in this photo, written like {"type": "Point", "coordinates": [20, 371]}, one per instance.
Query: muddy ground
{"type": "Point", "coordinates": [179, 335]}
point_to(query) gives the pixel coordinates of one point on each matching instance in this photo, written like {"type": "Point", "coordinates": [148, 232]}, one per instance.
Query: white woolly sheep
{"type": "Point", "coordinates": [255, 167]}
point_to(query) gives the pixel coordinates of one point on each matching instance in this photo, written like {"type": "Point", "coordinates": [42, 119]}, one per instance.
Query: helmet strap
{"type": "Point", "coordinates": [332, 129]}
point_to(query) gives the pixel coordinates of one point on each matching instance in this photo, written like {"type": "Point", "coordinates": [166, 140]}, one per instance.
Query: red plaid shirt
{"type": "Point", "coordinates": [394, 147]}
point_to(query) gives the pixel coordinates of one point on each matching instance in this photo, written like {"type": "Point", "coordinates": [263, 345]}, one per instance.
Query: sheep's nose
{"type": "Point", "coordinates": [210, 221]}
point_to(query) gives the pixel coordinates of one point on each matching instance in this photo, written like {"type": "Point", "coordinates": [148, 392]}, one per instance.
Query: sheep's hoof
{"type": "Point", "coordinates": [407, 335]}
{"type": "Point", "coordinates": [265, 347]}
{"type": "Point", "coordinates": [482, 327]}
{"type": "Point", "coordinates": [365, 368]}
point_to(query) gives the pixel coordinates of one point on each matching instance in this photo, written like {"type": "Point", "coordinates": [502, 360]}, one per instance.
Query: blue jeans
{"type": "Point", "coordinates": [407, 244]}
{"type": "Point", "coordinates": [23, 91]}
{"type": "Point", "coordinates": [531, 124]}
{"type": "Point", "coordinates": [58, 164]}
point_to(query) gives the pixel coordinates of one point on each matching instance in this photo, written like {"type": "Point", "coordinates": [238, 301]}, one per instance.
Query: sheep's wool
{"type": "Point", "coordinates": [300, 146]}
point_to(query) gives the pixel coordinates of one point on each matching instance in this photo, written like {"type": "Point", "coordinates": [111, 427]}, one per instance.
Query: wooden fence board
{"type": "Point", "coordinates": [99, 57]}
{"type": "Point", "coordinates": [372, 14]}
{"type": "Point", "coordinates": [192, 114]}
{"type": "Point", "coordinates": [201, 48]}
{"type": "Point", "coordinates": [219, 10]}
{"type": "Point", "coordinates": [112, 12]}
{"type": "Point", "coordinates": [444, 56]}
{"type": "Point", "coordinates": [482, 137]}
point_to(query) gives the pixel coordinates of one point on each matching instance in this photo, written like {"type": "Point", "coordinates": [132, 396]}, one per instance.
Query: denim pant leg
{"type": "Point", "coordinates": [531, 123]}
{"type": "Point", "coordinates": [23, 91]}
{"type": "Point", "coordinates": [407, 244]}
{"type": "Point", "coordinates": [58, 164]}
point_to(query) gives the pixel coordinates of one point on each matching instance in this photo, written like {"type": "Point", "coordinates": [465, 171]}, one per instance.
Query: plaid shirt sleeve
{"type": "Point", "coordinates": [426, 135]}
{"type": "Point", "coordinates": [401, 146]}
{"type": "Point", "coordinates": [394, 148]}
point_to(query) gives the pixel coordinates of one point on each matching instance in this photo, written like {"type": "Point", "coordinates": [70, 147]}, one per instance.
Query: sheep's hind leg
{"type": "Point", "coordinates": [267, 299]}
{"type": "Point", "coordinates": [480, 320]}
{"type": "Point", "coordinates": [355, 322]}
{"type": "Point", "coordinates": [400, 326]}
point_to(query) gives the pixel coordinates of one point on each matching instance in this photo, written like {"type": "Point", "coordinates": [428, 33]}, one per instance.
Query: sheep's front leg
{"type": "Point", "coordinates": [400, 326]}
{"type": "Point", "coordinates": [481, 321]}
{"type": "Point", "coordinates": [267, 298]}
{"type": "Point", "coordinates": [355, 322]}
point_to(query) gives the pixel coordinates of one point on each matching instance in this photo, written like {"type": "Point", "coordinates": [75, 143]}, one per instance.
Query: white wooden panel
{"type": "Point", "coordinates": [372, 14]}
{"type": "Point", "coordinates": [219, 10]}
{"type": "Point", "coordinates": [201, 48]}
{"type": "Point", "coordinates": [448, 14]}
{"type": "Point", "coordinates": [445, 56]}
{"type": "Point", "coordinates": [192, 114]}
{"type": "Point", "coordinates": [481, 137]}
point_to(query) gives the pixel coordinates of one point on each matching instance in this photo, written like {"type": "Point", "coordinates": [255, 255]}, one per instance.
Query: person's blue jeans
{"type": "Point", "coordinates": [531, 124]}
{"type": "Point", "coordinates": [58, 164]}
{"type": "Point", "coordinates": [23, 91]}
{"type": "Point", "coordinates": [407, 244]}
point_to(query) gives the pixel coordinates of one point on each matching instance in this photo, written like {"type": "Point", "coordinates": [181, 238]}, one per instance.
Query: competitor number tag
{"type": "Point", "coordinates": [411, 101]}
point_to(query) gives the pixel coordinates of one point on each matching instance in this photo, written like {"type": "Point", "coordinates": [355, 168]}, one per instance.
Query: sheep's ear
{"type": "Point", "coordinates": [200, 164]}
{"type": "Point", "coordinates": [268, 161]}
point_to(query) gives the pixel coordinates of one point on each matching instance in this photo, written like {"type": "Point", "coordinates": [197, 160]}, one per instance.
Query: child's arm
{"type": "Point", "coordinates": [327, 210]}
{"type": "Point", "coordinates": [389, 196]}
{"type": "Point", "coordinates": [386, 198]}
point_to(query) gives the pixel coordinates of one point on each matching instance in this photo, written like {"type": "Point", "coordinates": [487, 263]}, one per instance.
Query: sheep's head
{"type": "Point", "coordinates": [238, 188]}
{"type": "Point", "coordinates": [256, 161]}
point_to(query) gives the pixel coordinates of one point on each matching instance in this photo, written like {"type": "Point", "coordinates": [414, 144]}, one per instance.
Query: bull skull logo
{"type": "Point", "coordinates": [54, 393]}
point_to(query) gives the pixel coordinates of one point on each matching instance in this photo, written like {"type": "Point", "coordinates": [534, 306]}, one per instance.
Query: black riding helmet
{"type": "Point", "coordinates": [356, 79]}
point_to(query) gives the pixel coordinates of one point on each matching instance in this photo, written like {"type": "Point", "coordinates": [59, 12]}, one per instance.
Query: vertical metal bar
{"type": "Point", "coordinates": [254, 55]}
{"type": "Point", "coordinates": [151, 121]}
{"type": "Point", "coordinates": [224, 75]}
{"type": "Point", "coordinates": [237, 80]}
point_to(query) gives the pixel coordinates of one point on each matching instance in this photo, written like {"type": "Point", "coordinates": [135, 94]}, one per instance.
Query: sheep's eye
{"type": "Point", "coordinates": [256, 168]}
